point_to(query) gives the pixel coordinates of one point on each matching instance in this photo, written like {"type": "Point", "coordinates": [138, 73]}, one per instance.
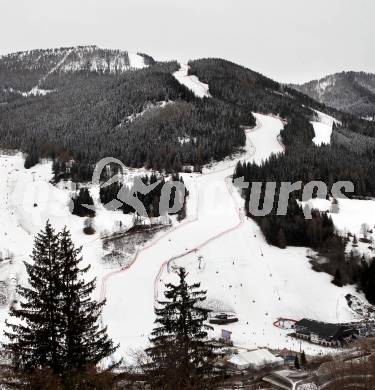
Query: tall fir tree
{"type": "Point", "coordinates": [180, 356]}
{"type": "Point", "coordinates": [34, 341]}
{"type": "Point", "coordinates": [337, 280]}
{"type": "Point", "coordinates": [85, 344]}
{"type": "Point", "coordinates": [58, 323]}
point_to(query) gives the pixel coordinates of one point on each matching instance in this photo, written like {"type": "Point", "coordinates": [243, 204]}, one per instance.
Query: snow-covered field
{"type": "Point", "coordinates": [262, 141]}
{"type": "Point", "coordinates": [351, 215]}
{"type": "Point", "coordinates": [323, 128]}
{"type": "Point", "coordinates": [241, 272]}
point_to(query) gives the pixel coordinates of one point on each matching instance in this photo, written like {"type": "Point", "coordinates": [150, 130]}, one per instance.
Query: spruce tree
{"type": "Point", "coordinates": [303, 359]}
{"type": "Point", "coordinates": [368, 281]}
{"type": "Point", "coordinates": [34, 342]}
{"type": "Point", "coordinates": [180, 356]}
{"type": "Point", "coordinates": [80, 201]}
{"type": "Point", "coordinates": [60, 330]}
{"type": "Point", "coordinates": [85, 344]}
{"type": "Point", "coordinates": [337, 280]}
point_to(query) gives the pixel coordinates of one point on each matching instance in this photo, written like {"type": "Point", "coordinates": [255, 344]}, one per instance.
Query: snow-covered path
{"type": "Point", "coordinates": [192, 82]}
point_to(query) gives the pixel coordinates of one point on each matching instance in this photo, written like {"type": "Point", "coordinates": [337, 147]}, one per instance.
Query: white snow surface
{"type": "Point", "coordinates": [147, 108]}
{"type": "Point", "coordinates": [258, 282]}
{"type": "Point", "coordinates": [323, 128]}
{"type": "Point", "coordinates": [262, 140]}
{"type": "Point", "coordinates": [192, 82]}
{"type": "Point", "coordinates": [351, 215]}
{"type": "Point", "coordinates": [115, 62]}
{"type": "Point", "coordinates": [36, 91]}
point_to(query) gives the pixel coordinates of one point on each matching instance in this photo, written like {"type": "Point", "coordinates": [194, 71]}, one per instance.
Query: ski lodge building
{"type": "Point", "coordinates": [322, 333]}
{"type": "Point", "coordinates": [256, 359]}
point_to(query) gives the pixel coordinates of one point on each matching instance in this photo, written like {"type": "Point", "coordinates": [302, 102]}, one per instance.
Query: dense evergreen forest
{"type": "Point", "coordinates": [244, 87]}
{"type": "Point", "coordinates": [90, 116]}
{"type": "Point", "coordinates": [352, 92]}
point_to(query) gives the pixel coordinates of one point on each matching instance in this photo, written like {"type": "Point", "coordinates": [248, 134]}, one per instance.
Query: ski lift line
{"type": "Point", "coordinates": [200, 246]}
{"type": "Point", "coordinates": [276, 290]}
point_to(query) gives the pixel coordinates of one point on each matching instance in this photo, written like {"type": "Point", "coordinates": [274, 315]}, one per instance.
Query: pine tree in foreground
{"type": "Point", "coordinates": [35, 341]}
{"type": "Point", "coordinates": [85, 344]}
{"type": "Point", "coordinates": [180, 356]}
{"type": "Point", "coordinates": [57, 330]}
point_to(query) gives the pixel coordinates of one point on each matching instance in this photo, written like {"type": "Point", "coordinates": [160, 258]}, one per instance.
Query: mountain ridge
{"type": "Point", "coordinates": [25, 72]}
{"type": "Point", "coordinates": [349, 91]}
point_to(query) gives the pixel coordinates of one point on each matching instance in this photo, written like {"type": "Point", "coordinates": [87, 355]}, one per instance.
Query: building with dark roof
{"type": "Point", "coordinates": [323, 333]}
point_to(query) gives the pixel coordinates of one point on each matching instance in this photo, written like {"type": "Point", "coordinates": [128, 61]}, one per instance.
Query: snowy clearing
{"type": "Point", "coordinates": [323, 128]}
{"type": "Point", "coordinates": [147, 108]}
{"type": "Point", "coordinates": [352, 213]}
{"type": "Point", "coordinates": [192, 82]}
{"type": "Point", "coordinates": [262, 141]}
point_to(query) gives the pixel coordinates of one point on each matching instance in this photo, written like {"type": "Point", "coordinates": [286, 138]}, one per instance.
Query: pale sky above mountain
{"type": "Point", "coordinates": [288, 40]}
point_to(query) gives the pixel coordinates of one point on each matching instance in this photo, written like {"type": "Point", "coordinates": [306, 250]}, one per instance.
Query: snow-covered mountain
{"type": "Point", "coordinates": [77, 58]}
{"type": "Point", "coordinates": [25, 72]}
{"type": "Point", "coordinates": [352, 92]}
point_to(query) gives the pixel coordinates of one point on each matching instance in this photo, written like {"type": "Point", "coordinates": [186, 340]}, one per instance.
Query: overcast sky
{"type": "Point", "coordinates": [288, 40]}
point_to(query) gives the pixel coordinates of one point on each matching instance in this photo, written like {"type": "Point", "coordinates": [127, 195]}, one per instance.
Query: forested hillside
{"type": "Point", "coordinates": [352, 92]}
{"type": "Point", "coordinates": [90, 114]}
{"type": "Point", "coordinates": [86, 103]}
{"type": "Point", "coordinates": [350, 156]}
{"type": "Point", "coordinates": [242, 86]}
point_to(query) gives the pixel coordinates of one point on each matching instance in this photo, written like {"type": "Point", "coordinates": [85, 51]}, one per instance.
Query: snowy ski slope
{"type": "Point", "coordinates": [240, 271]}
{"type": "Point", "coordinates": [323, 128]}
{"type": "Point", "coordinates": [192, 82]}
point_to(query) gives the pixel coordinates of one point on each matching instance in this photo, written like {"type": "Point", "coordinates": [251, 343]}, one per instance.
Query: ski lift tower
{"type": "Point", "coordinates": [200, 258]}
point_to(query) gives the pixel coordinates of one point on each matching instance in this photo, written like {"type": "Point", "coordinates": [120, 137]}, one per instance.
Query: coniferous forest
{"type": "Point", "coordinates": [89, 117]}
